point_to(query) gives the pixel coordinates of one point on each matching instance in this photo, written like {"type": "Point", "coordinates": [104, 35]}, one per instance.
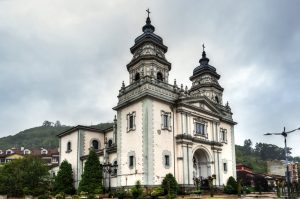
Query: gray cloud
{"type": "Point", "coordinates": [65, 60]}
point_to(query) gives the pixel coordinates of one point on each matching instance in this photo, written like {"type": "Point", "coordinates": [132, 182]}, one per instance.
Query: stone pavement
{"type": "Point", "coordinates": [270, 195]}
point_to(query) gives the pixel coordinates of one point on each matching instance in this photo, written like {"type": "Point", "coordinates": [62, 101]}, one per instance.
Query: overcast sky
{"type": "Point", "coordinates": [66, 60]}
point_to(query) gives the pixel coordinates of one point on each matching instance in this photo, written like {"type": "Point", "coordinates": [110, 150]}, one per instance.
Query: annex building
{"type": "Point", "coordinates": [160, 127]}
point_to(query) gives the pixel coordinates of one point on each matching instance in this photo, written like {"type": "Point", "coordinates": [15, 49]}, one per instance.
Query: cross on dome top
{"type": "Point", "coordinates": [148, 27]}
{"type": "Point", "coordinates": [148, 11]}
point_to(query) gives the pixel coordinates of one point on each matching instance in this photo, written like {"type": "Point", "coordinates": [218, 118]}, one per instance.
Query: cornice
{"type": "Point", "coordinates": [80, 127]}
{"type": "Point", "coordinates": [146, 87]}
{"type": "Point", "coordinates": [100, 152]}
{"type": "Point", "coordinates": [148, 57]}
{"type": "Point", "coordinates": [185, 138]}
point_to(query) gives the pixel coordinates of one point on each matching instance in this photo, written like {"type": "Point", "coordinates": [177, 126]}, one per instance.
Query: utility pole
{"type": "Point", "coordinates": [284, 134]}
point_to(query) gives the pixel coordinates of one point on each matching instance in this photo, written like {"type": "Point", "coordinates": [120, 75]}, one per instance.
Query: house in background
{"type": "Point", "coordinates": [245, 173]}
{"type": "Point", "coordinates": [49, 156]}
{"type": "Point", "coordinates": [278, 167]}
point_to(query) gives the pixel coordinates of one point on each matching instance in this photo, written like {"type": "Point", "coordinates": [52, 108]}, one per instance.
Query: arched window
{"type": "Point", "coordinates": [110, 142]}
{"type": "Point", "coordinates": [137, 77]}
{"type": "Point", "coordinates": [9, 151]}
{"type": "Point", "coordinates": [44, 151]}
{"type": "Point", "coordinates": [159, 76]}
{"type": "Point", "coordinates": [26, 152]}
{"type": "Point", "coordinates": [95, 144]}
{"type": "Point", "coordinates": [69, 147]}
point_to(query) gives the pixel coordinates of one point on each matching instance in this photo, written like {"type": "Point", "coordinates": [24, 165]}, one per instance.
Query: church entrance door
{"type": "Point", "coordinates": [201, 164]}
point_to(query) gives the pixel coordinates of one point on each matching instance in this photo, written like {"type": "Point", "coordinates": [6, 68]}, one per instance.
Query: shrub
{"type": "Point", "coordinates": [44, 196]}
{"type": "Point", "coordinates": [121, 193]}
{"type": "Point", "coordinates": [60, 195]}
{"type": "Point", "coordinates": [248, 190]}
{"type": "Point", "coordinates": [197, 191]}
{"type": "Point", "coordinates": [83, 193]}
{"type": "Point", "coordinates": [170, 185]}
{"type": "Point", "coordinates": [91, 196]}
{"type": "Point", "coordinates": [158, 191]}
{"type": "Point", "coordinates": [260, 183]}
{"type": "Point", "coordinates": [137, 190]}
{"type": "Point", "coordinates": [75, 197]}
{"type": "Point", "coordinates": [231, 186]}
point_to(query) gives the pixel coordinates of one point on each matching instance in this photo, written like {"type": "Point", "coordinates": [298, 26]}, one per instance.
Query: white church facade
{"type": "Point", "coordinates": [159, 127]}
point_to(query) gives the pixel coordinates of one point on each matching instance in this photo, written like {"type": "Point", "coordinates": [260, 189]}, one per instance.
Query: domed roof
{"type": "Point", "coordinates": [148, 36]}
{"type": "Point", "coordinates": [204, 67]}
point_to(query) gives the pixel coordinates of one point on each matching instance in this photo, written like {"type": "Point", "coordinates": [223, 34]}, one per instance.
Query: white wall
{"type": "Point", "coordinates": [72, 156]}
{"type": "Point", "coordinates": [163, 141]}
{"type": "Point", "coordinates": [130, 142]}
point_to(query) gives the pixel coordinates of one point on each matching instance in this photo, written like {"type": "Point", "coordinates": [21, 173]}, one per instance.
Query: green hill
{"type": "Point", "coordinates": [258, 155]}
{"type": "Point", "coordinates": [37, 137]}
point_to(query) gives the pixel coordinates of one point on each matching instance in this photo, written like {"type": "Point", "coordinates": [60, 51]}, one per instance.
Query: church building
{"type": "Point", "coordinates": [160, 127]}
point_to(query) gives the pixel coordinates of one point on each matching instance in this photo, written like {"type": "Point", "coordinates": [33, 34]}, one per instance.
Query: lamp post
{"type": "Point", "coordinates": [109, 168]}
{"type": "Point", "coordinates": [284, 134]}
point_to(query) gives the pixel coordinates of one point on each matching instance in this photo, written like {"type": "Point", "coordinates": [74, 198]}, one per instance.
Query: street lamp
{"type": "Point", "coordinates": [109, 168]}
{"type": "Point", "coordinates": [284, 134]}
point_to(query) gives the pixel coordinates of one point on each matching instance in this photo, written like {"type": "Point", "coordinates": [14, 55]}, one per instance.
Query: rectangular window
{"type": "Point", "coordinates": [200, 128]}
{"type": "Point", "coordinates": [167, 160]}
{"type": "Point", "coordinates": [225, 167]}
{"type": "Point", "coordinates": [131, 121]}
{"type": "Point", "coordinates": [131, 161]}
{"type": "Point", "coordinates": [223, 135]}
{"type": "Point", "coordinates": [166, 120]}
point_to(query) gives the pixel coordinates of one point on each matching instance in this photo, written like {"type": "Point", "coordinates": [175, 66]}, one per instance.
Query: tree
{"type": "Point", "coordinates": [57, 124]}
{"type": "Point", "coordinates": [27, 176]}
{"type": "Point", "coordinates": [170, 185]}
{"type": "Point", "coordinates": [270, 151]}
{"type": "Point", "coordinates": [64, 179]}
{"type": "Point", "coordinates": [91, 179]}
{"type": "Point", "coordinates": [46, 123]}
{"type": "Point", "coordinates": [248, 146]}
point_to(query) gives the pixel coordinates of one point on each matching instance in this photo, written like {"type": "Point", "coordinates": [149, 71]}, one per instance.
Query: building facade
{"type": "Point", "coordinates": [278, 167]}
{"type": "Point", "coordinates": [160, 127]}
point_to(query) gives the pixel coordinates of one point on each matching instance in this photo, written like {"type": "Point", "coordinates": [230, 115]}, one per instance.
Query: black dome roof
{"type": "Point", "coordinates": [148, 36]}
{"type": "Point", "coordinates": [204, 67]}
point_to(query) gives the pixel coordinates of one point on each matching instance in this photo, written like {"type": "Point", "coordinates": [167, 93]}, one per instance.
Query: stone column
{"type": "Point", "coordinates": [190, 164]}
{"type": "Point", "coordinates": [220, 167]}
{"type": "Point", "coordinates": [115, 130]}
{"type": "Point", "coordinates": [185, 163]}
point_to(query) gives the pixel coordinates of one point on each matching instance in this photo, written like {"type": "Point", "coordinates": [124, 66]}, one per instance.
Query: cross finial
{"type": "Point", "coordinates": [148, 11]}
{"type": "Point", "coordinates": [203, 46]}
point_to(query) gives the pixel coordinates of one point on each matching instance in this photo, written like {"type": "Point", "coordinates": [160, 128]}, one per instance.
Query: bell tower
{"type": "Point", "coordinates": [148, 56]}
{"type": "Point", "coordinates": [145, 113]}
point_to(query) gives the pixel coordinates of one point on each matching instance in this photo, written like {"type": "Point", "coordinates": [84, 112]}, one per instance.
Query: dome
{"type": "Point", "coordinates": [204, 67]}
{"type": "Point", "coordinates": [148, 36]}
